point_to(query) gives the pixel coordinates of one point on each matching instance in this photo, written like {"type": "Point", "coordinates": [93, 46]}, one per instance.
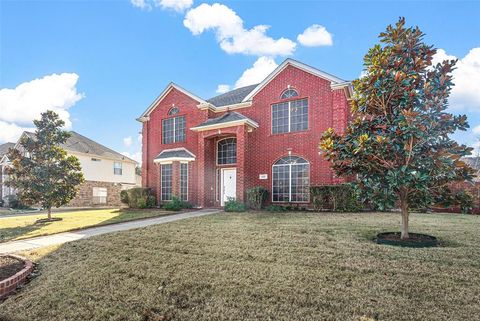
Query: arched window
{"type": "Point", "coordinates": [289, 93]}
{"type": "Point", "coordinates": [227, 151]}
{"type": "Point", "coordinates": [173, 111]}
{"type": "Point", "coordinates": [291, 180]}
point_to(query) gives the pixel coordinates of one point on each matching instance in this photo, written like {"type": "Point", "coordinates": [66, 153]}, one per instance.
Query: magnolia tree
{"type": "Point", "coordinates": [41, 171]}
{"type": "Point", "coordinates": [398, 143]}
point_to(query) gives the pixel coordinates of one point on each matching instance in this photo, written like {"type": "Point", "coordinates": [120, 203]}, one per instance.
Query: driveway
{"type": "Point", "coordinates": [60, 238]}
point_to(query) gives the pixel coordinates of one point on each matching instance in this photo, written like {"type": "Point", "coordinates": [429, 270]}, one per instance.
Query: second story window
{"type": "Point", "coordinates": [290, 116]}
{"type": "Point", "coordinates": [173, 130]}
{"type": "Point", "coordinates": [117, 168]}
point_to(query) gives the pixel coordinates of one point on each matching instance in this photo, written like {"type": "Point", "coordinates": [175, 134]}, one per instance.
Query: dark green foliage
{"type": "Point", "coordinates": [232, 205]}
{"type": "Point", "coordinates": [256, 196]}
{"type": "Point", "coordinates": [176, 204]}
{"type": "Point", "coordinates": [337, 198]}
{"type": "Point", "coordinates": [398, 144]}
{"type": "Point", "coordinates": [41, 171]}
{"type": "Point", "coordinates": [276, 208]}
{"type": "Point", "coordinates": [15, 203]}
{"type": "Point", "coordinates": [138, 197]}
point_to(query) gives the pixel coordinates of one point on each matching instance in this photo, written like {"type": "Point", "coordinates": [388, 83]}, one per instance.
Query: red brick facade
{"type": "Point", "coordinates": [257, 149]}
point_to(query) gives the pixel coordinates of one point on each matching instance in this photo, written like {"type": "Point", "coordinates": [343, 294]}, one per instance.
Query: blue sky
{"type": "Point", "coordinates": [112, 58]}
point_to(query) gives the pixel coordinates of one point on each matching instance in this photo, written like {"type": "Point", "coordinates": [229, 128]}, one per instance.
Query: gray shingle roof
{"type": "Point", "coordinates": [175, 153]}
{"type": "Point", "coordinates": [225, 118]}
{"type": "Point", "coordinates": [81, 144]}
{"type": "Point", "coordinates": [232, 97]}
{"type": "Point", "coordinates": [5, 147]}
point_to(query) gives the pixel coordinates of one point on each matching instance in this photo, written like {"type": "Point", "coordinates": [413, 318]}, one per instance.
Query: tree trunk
{"type": "Point", "coordinates": [49, 213]}
{"type": "Point", "coordinates": [404, 206]}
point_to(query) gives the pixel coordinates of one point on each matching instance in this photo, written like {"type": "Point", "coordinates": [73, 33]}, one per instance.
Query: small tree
{"type": "Point", "coordinates": [398, 144]}
{"type": "Point", "coordinates": [41, 171]}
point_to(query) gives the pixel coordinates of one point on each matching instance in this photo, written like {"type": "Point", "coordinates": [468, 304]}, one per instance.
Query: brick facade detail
{"type": "Point", "coordinates": [84, 197]}
{"type": "Point", "coordinates": [258, 149]}
{"type": "Point", "coordinates": [10, 284]}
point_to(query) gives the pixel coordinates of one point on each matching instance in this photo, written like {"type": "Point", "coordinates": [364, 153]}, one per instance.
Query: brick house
{"type": "Point", "coordinates": [106, 171]}
{"type": "Point", "coordinates": [206, 151]}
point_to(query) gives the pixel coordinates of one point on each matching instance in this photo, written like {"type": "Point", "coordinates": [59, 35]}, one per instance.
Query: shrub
{"type": "Point", "coordinates": [15, 203]}
{"type": "Point", "coordinates": [276, 208]}
{"type": "Point", "coordinates": [340, 198]}
{"type": "Point", "coordinates": [256, 196]}
{"type": "Point", "coordinates": [176, 204]}
{"type": "Point", "coordinates": [232, 205]}
{"type": "Point", "coordinates": [138, 197]}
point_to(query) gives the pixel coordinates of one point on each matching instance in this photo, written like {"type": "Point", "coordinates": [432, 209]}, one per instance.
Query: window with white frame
{"type": "Point", "coordinates": [166, 182]}
{"type": "Point", "coordinates": [290, 116]}
{"type": "Point", "coordinates": [227, 151]}
{"type": "Point", "coordinates": [173, 130]}
{"type": "Point", "coordinates": [184, 181]}
{"type": "Point", "coordinates": [117, 168]}
{"type": "Point", "coordinates": [289, 93]}
{"type": "Point", "coordinates": [291, 180]}
{"type": "Point", "coordinates": [100, 195]}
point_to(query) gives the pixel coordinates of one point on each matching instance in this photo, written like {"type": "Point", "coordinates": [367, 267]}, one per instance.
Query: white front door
{"type": "Point", "coordinates": [229, 184]}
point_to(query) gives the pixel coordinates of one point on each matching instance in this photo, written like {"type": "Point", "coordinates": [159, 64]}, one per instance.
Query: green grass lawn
{"type": "Point", "coordinates": [21, 227]}
{"type": "Point", "coordinates": [260, 266]}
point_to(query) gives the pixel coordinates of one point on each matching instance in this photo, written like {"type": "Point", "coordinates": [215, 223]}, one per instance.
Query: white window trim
{"type": "Point", "coordinates": [186, 200]}
{"type": "Point", "coordinates": [174, 128]}
{"type": "Point", "coordinates": [290, 182]}
{"type": "Point", "coordinates": [216, 154]}
{"type": "Point", "coordinates": [161, 181]}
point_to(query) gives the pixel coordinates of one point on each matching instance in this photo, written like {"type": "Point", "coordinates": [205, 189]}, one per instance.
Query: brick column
{"type": "Point", "coordinates": [241, 145]}
{"type": "Point", "coordinates": [201, 170]}
{"type": "Point", "coordinates": [176, 179]}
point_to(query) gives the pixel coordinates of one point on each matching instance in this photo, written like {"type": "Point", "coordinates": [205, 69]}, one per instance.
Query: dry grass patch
{"type": "Point", "coordinates": [261, 266]}
{"type": "Point", "coordinates": [25, 226]}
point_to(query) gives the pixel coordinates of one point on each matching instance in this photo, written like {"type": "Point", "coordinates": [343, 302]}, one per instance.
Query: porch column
{"type": "Point", "coordinates": [241, 145]}
{"type": "Point", "coordinates": [201, 170]}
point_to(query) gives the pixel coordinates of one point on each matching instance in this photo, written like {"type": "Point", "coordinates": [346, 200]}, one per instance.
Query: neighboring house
{"type": "Point", "coordinates": [106, 172]}
{"type": "Point", "coordinates": [4, 190]}
{"type": "Point", "coordinates": [207, 151]}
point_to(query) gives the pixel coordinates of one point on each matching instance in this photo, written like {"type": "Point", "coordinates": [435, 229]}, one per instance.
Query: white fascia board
{"type": "Point", "coordinates": [250, 123]}
{"type": "Point", "coordinates": [165, 92]}
{"type": "Point", "coordinates": [173, 159]}
{"type": "Point", "coordinates": [297, 64]}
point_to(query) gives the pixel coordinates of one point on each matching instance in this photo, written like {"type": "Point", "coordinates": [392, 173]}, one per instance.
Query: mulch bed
{"type": "Point", "coordinates": [414, 240]}
{"type": "Point", "coordinates": [9, 266]}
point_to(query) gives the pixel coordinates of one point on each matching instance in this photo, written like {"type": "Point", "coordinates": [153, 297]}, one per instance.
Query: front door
{"type": "Point", "coordinates": [229, 184]}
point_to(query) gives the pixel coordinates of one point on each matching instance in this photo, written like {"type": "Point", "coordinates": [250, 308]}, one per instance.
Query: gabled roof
{"type": "Point", "coordinates": [164, 93]}
{"type": "Point", "coordinates": [174, 154]}
{"type": "Point", "coordinates": [335, 81]}
{"type": "Point", "coordinates": [5, 147]}
{"type": "Point", "coordinates": [81, 144]}
{"type": "Point", "coordinates": [226, 120]}
{"type": "Point", "coordinates": [232, 97]}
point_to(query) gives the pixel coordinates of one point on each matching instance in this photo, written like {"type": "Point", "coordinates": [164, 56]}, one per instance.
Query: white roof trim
{"type": "Point", "coordinates": [291, 62]}
{"type": "Point", "coordinates": [170, 86]}
{"type": "Point", "coordinates": [248, 122]}
{"type": "Point", "coordinates": [221, 109]}
{"type": "Point", "coordinates": [173, 159]}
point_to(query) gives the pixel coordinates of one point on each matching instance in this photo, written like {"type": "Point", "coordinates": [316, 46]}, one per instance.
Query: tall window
{"type": "Point", "coordinates": [117, 168]}
{"type": "Point", "coordinates": [227, 151]}
{"type": "Point", "coordinates": [173, 130]}
{"type": "Point", "coordinates": [291, 180]}
{"type": "Point", "coordinates": [166, 182]}
{"type": "Point", "coordinates": [184, 181]}
{"type": "Point", "coordinates": [290, 116]}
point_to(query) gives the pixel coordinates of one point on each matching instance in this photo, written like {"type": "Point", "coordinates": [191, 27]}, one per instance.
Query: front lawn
{"type": "Point", "coordinates": [21, 227]}
{"type": "Point", "coordinates": [262, 266]}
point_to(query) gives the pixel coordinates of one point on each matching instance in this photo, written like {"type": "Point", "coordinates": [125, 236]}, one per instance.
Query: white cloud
{"type": "Point", "coordinates": [177, 5]}
{"type": "Point", "coordinates": [260, 69]}
{"type": "Point", "coordinates": [476, 130]}
{"type": "Point", "coordinates": [466, 92]}
{"type": "Point", "coordinates": [223, 88]}
{"type": "Point", "coordinates": [127, 141]}
{"type": "Point", "coordinates": [136, 156]}
{"type": "Point", "coordinates": [315, 36]}
{"type": "Point", "coordinates": [10, 132]}
{"type": "Point", "coordinates": [21, 105]}
{"type": "Point", "coordinates": [139, 138]}
{"type": "Point", "coordinates": [232, 35]}
{"type": "Point", "coordinates": [142, 4]}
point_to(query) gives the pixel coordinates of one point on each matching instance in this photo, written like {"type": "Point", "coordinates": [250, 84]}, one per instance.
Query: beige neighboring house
{"type": "Point", "coordinates": [106, 171]}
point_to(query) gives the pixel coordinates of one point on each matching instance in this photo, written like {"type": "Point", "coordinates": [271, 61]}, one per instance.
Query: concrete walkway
{"type": "Point", "coordinates": [60, 238]}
